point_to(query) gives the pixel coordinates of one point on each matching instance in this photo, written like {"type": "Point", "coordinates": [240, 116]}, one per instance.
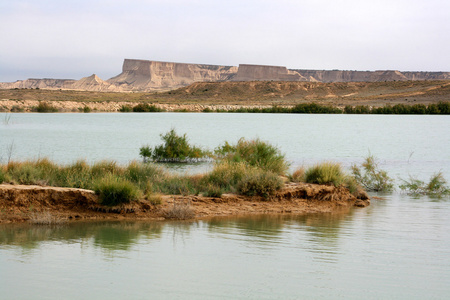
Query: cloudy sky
{"type": "Point", "coordinates": [76, 38]}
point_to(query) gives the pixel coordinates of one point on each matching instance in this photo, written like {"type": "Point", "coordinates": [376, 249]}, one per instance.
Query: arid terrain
{"type": "Point", "coordinates": [19, 203]}
{"type": "Point", "coordinates": [229, 95]}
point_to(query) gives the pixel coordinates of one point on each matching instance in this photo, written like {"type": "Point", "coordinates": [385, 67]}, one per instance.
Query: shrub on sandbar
{"type": "Point", "coordinates": [325, 173]}
{"type": "Point", "coordinates": [113, 191]}
{"type": "Point", "coordinates": [255, 153]}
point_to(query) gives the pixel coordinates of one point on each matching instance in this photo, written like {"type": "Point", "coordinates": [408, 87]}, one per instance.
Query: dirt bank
{"type": "Point", "coordinates": [19, 203]}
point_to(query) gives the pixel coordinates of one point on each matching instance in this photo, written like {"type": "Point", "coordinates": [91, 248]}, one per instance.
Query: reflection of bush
{"type": "Point", "coordinates": [107, 235]}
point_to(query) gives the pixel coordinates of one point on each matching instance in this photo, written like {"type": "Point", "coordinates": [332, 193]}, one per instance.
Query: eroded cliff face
{"type": "Point", "coordinates": [147, 75]}
{"type": "Point", "coordinates": [266, 73]}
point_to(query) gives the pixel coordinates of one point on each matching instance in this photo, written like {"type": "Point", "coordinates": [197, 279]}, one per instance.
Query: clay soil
{"type": "Point", "coordinates": [19, 203]}
{"type": "Point", "coordinates": [229, 95]}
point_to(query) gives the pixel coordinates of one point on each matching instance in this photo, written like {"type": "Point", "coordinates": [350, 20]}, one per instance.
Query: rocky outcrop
{"type": "Point", "coordinates": [33, 83]}
{"type": "Point", "coordinates": [145, 75]}
{"type": "Point", "coordinates": [266, 73]}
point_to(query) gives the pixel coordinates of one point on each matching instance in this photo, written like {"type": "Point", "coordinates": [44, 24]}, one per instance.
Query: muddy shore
{"type": "Point", "coordinates": [21, 203]}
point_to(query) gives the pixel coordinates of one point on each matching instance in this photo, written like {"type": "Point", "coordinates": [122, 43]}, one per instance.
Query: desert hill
{"type": "Point", "coordinates": [148, 76]}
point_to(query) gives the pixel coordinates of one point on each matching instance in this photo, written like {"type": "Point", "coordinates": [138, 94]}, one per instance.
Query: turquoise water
{"type": "Point", "coordinates": [397, 248]}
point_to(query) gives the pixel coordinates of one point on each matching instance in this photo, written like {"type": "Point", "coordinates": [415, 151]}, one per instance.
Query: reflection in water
{"type": "Point", "coordinates": [396, 248]}
{"type": "Point", "coordinates": [107, 235]}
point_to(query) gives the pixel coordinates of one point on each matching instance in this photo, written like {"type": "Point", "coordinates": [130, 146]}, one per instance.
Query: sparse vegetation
{"type": "Point", "coordinates": [437, 186]}
{"type": "Point", "coordinates": [255, 153]}
{"type": "Point", "coordinates": [145, 107]}
{"type": "Point", "coordinates": [45, 218]}
{"type": "Point", "coordinates": [176, 148]}
{"type": "Point", "coordinates": [181, 210]}
{"type": "Point", "coordinates": [44, 107]}
{"type": "Point", "coordinates": [371, 177]}
{"type": "Point", "coordinates": [114, 190]}
{"type": "Point", "coordinates": [326, 173]}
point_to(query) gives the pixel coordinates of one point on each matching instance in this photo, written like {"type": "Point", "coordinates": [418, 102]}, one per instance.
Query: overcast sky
{"type": "Point", "coordinates": [76, 38]}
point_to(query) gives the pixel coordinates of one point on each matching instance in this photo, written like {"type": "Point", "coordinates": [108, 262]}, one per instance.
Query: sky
{"type": "Point", "coordinates": [73, 39]}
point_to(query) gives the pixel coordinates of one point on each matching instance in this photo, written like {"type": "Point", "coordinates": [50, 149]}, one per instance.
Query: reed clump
{"type": "Point", "coordinates": [114, 191]}
{"type": "Point", "coordinates": [436, 186]}
{"type": "Point", "coordinates": [255, 153]}
{"type": "Point", "coordinates": [325, 173]}
{"type": "Point", "coordinates": [371, 177]}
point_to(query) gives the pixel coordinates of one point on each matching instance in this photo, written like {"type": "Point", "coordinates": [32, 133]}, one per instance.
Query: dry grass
{"type": "Point", "coordinates": [181, 210]}
{"type": "Point", "coordinates": [45, 218]}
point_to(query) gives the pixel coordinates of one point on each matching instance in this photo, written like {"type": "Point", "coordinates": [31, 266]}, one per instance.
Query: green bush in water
{"type": "Point", "coordinates": [176, 148]}
{"type": "Point", "coordinates": [435, 187]}
{"type": "Point", "coordinates": [371, 178]}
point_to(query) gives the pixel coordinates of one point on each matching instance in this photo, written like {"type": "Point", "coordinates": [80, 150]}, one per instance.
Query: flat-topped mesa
{"type": "Point", "coordinates": [148, 75]}
{"type": "Point", "coordinates": [261, 73]}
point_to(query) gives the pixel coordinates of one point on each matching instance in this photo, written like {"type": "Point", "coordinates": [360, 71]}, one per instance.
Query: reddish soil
{"type": "Point", "coordinates": [19, 203]}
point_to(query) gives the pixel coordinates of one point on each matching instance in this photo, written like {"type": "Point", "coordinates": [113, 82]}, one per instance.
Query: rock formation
{"type": "Point", "coordinates": [155, 75]}
{"type": "Point", "coordinates": [146, 75]}
{"type": "Point", "coordinates": [266, 73]}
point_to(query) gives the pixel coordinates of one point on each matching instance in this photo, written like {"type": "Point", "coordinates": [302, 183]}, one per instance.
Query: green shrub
{"type": "Point", "coordinates": [325, 173]}
{"type": "Point", "coordinates": [2, 175]}
{"type": "Point", "coordinates": [259, 183]}
{"type": "Point", "coordinates": [145, 107]}
{"type": "Point", "coordinates": [213, 191]}
{"type": "Point", "coordinates": [113, 191]}
{"type": "Point", "coordinates": [44, 107]}
{"type": "Point", "coordinates": [314, 108]}
{"type": "Point", "coordinates": [435, 187]}
{"type": "Point", "coordinates": [125, 108]}
{"type": "Point", "coordinates": [142, 174]}
{"type": "Point", "coordinates": [371, 177]}
{"type": "Point", "coordinates": [255, 153]}
{"type": "Point", "coordinates": [227, 174]}
{"type": "Point", "coordinates": [176, 148]}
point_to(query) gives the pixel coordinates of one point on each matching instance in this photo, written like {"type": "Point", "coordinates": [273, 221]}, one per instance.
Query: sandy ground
{"type": "Point", "coordinates": [20, 203]}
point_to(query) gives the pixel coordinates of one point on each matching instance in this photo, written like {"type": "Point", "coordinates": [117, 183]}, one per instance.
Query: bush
{"type": "Point", "coordinates": [125, 108]}
{"type": "Point", "coordinates": [2, 175]}
{"type": "Point", "coordinates": [212, 190]}
{"type": "Point", "coordinates": [176, 148]}
{"type": "Point", "coordinates": [435, 187]}
{"type": "Point", "coordinates": [227, 174]}
{"type": "Point", "coordinates": [255, 153]}
{"type": "Point", "coordinates": [259, 183]}
{"type": "Point", "coordinates": [371, 177]}
{"type": "Point", "coordinates": [325, 173]}
{"type": "Point", "coordinates": [298, 175]}
{"type": "Point", "coordinates": [113, 191]}
{"type": "Point", "coordinates": [142, 174]}
{"type": "Point", "coordinates": [44, 107]}
{"type": "Point", "coordinates": [144, 107]}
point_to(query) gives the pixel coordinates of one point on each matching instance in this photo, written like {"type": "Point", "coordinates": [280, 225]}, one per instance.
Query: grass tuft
{"type": "Point", "coordinates": [325, 173]}
{"type": "Point", "coordinates": [113, 191]}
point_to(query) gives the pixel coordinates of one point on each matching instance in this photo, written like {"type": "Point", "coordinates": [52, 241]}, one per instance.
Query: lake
{"type": "Point", "coordinates": [397, 248]}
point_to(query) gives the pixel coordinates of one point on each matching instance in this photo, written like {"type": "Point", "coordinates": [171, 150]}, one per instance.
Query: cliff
{"type": "Point", "coordinates": [266, 73]}
{"type": "Point", "coordinates": [147, 75]}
